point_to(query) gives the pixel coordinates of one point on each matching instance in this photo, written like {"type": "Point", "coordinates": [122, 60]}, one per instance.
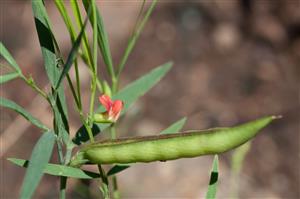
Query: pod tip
{"type": "Point", "coordinates": [276, 117]}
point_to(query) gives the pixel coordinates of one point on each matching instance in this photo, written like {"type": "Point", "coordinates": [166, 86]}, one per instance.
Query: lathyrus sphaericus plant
{"type": "Point", "coordinates": [167, 146]}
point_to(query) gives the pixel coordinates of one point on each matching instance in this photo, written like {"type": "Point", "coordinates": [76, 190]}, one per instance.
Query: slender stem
{"type": "Point", "coordinates": [63, 185]}
{"type": "Point", "coordinates": [73, 91]}
{"type": "Point", "coordinates": [237, 160]}
{"type": "Point", "coordinates": [116, 192]}
{"type": "Point", "coordinates": [62, 10]}
{"type": "Point", "coordinates": [60, 152]}
{"type": "Point", "coordinates": [113, 131]}
{"type": "Point", "coordinates": [105, 185]}
{"type": "Point", "coordinates": [139, 27]}
{"type": "Point", "coordinates": [78, 17]}
{"type": "Point", "coordinates": [94, 77]}
{"type": "Point", "coordinates": [78, 84]}
{"type": "Point", "coordinates": [30, 82]}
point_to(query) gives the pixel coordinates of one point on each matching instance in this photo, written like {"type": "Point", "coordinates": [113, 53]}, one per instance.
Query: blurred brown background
{"type": "Point", "coordinates": [233, 61]}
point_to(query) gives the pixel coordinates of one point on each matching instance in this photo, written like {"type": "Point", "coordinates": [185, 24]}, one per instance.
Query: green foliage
{"type": "Point", "coordinates": [12, 105]}
{"type": "Point", "coordinates": [214, 175]}
{"type": "Point", "coordinates": [237, 159]}
{"type": "Point", "coordinates": [168, 145]}
{"type": "Point", "coordinates": [47, 41]}
{"type": "Point", "coordinates": [8, 77]}
{"type": "Point", "coordinates": [139, 87]}
{"type": "Point", "coordinates": [49, 47]}
{"type": "Point", "coordinates": [137, 31]}
{"type": "Point", "coordinates": [59, 170]}
{"type": "Point", "coordinates": [7, 56]}
{"type": "Point", "coordinates": [39, 158]}
{"type": "Point", "coordinates": [102, 39]}
{"type": "Point", "coordinates": [174, 128]}
{"type": "Point", "coordinates": [72, 55]}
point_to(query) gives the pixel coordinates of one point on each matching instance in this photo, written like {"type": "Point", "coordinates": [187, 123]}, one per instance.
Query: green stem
{"type": "Point", "coordinates": [94, 77]}
{"type": "Point", "coordinates": [73, 91]}
{"type": "Point", "coordinates": [137, 30]}
{"type": "Point", "coordinates": [237, 160]}
{"type": "Point", "coordinates": [78, 84]}
{"type": "Point", "coordinates": [78, 17]}
{"type": "Point", "coordinates": [63, 185]}
{"type": "Point", "coordinates": [116, 192]}
{"type": "Point", "coordinates": [30, 82]}
{"type": "Point", "coordinates": [105, 184]}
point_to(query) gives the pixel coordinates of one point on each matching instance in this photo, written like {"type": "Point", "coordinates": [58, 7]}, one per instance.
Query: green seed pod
{"type": "Point", "coordinates": [169, 147]}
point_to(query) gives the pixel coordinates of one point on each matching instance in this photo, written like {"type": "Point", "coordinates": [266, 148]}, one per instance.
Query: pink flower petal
{"type": "Point", "coordinates": [106, 102]}
{"type": "Point", "coordinates": [116, 109]}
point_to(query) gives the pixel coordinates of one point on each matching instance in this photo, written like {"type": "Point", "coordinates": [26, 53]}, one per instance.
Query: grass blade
{"type": "Point", "coordinates": [59, 170]}
{"type": "Point", "coordinates": [39, 158]}
{"type": "Point", "coordinates": [12, 105]}
{"type": "Point", "coordinates": [214, 175]}
{"type": "Point", "coordinates": [7, 56]}
{"type": "Point", "coordinates": [175, 127]}
{"type": "Point", "coordinates": [72, 54]}
{"type": "Point", "coordinates": [8, 77]}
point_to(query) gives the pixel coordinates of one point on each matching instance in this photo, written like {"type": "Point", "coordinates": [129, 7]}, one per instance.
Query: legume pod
{"type": "Point", "coordinates": [169, 147]}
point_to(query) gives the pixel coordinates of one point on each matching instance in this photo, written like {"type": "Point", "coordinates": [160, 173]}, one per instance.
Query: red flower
{"type": "Point", "coordinates": [113, 108]}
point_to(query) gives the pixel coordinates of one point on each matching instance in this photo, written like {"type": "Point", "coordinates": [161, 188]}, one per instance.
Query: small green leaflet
{"type": "Point", "coordinates": [8, 77]}
{"type": "Point", "coordinates": [39, 158]}
{"type": "Point", "coordinates": [12, 105]}
{"type": "Point", "coordinates": [59, 170]}
{"type": "Point", "coordinates": [174, 128]}
{"type": "Point", "coordinates": [214, 175]}
{"type": "Point", "coordinates": [7, 56]}
{"type": "Point", "coordinates": [142, 85]}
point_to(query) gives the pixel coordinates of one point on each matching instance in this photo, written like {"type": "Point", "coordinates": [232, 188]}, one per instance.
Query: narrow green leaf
{"type": "Point", "coordinates": [174, 128]}
{"type": "Point", "coordinates": [59, 170]}
{"type": "Point", "coordinates": [39, 158]}
{"type": "Point", "coordinates": [137, 31]}
{"type": "Point", "coordinates": [214, 175]}
{"type": "Point", "coordinates": [237, 159]}
{"type": "Point", "coordinates": [117, 169]}
{"type": "Point", "coordinates": [8, 77]}
{"type": "Point", "coordinates": [7, 56]}
{"type": "Point", "coordinates": [142, 85]}
{"type": "Point", "coordinates": [64, 13]}
{"type": "Point", "coordinates": [51, 61]}
{"type": "Point", "coordinates": [102, 39]}
{"type": "Point", "coordinates": [61, 124]}
{"type": "Point", "coordinates": [46, 39]}
{"type": "Point", "coordinates": [12, 105]}
{"type": "Point", "coordinates": [82, 134]}
{"type": "Point", "coordinates": [72, 54]}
